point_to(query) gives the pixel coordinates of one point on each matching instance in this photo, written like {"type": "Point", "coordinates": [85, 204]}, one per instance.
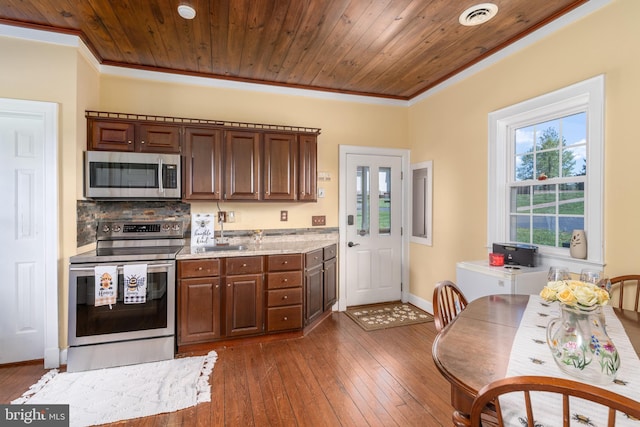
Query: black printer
{"type": "Point", "coordinates": [517, 253]}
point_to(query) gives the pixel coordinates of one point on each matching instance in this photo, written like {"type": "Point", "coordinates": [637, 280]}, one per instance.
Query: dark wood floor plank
{"type": "Point", "coordinates": [237, 406]}
{"type": "Point", "coordinates": [264, 410]}
{"type": "Point", "coordinates": [322, 365]}
{"type": "Point", "coordinates": [274, 384]}
{"type": "Point", "coordinates": [336, 375]}
{"type": "Point", "coordinates": [351, 380]}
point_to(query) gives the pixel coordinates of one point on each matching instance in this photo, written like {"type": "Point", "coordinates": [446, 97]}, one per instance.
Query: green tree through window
{"type": "Point", "coordinates": [547, 155]}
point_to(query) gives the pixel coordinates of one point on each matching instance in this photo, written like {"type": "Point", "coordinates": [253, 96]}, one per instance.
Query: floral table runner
{"type": "Point", "coordinates": [530, 355]}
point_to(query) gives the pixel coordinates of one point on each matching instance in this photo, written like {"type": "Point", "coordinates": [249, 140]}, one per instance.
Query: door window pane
{"type": "Point", "coordinates": [384, 201]}
{"type": "Point", "coordinates": [363, 200]}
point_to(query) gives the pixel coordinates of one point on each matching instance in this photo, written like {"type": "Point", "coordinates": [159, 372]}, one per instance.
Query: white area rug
{"type": "Point", "coordinates": [108, 395]}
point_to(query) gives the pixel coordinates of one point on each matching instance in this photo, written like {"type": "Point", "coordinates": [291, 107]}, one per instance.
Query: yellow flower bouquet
{"type": "Point", "coordinates": [575, 293]}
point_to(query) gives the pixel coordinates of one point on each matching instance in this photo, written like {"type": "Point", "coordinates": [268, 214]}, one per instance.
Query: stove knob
{"type": "Point", "coordinates": [105, 228]}
{"type": "Point", "coordinates": [176, 227]}
{"type": "Point", "coordinates": [117, 228]}
{"type": "Point", "coordinates": [165, 227]}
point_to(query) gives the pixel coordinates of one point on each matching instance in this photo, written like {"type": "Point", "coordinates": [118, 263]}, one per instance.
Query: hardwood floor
{"type": "Point", "coordinates": [336, 375]}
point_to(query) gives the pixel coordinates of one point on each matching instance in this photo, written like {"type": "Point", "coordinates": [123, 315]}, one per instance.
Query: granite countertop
{"type": "Point", "coordinates": [268, 246]}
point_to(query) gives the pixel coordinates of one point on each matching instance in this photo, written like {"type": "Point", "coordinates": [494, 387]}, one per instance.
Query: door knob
{"type": "Point", "coordinates": [351, 244]}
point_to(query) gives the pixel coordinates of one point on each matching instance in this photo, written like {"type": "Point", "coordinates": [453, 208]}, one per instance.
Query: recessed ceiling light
{"type": "Point", "coordinates": [478, 14]}
{"type": "Point", "coordinates": [187, 12]}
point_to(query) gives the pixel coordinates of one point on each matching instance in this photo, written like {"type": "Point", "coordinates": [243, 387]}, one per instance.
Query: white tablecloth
{"type": "Point", "coordinates": [530, 355]}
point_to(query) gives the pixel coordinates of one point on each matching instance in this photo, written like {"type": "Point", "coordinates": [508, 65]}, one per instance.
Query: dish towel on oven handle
{"type": "Point", "coordinates": [106, 285]}
{"type": "Point", "coordinates": [135, 283]}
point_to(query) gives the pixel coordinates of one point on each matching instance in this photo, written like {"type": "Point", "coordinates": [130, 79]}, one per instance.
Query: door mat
{"type": "Point", "coordinates": [387, 315]}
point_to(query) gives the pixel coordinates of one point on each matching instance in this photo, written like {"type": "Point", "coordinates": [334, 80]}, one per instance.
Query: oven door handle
{"type": "Point", "coordinates": [149, 266]}
{"type": "Point", "coordinates": [160, 185]}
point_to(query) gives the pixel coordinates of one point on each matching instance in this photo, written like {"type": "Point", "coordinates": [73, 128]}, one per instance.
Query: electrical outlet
{"type": "Point", "coordinates": [284, 215]}
{"type": "Point", "coordinates": [318, 220]}
{"type": "Point", "coordinates": [231, 216]}
{"type": "Point", "coordinates": [222, 216]}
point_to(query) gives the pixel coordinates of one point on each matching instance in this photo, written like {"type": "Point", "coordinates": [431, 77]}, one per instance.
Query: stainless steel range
{"type": "Point", "coordinates": [124, 332]}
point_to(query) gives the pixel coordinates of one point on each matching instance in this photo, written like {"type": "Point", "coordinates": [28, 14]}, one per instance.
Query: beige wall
{"type": "Point", "coordinates": [450, 128]}
{"type": "Point", "coordinates": [53, 73]}
{"type": "Point", "coordinates": [342, 123]}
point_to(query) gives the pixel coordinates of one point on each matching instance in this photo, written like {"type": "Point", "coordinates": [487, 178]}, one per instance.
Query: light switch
{"type": "Point", "coordinates": [320, 192]}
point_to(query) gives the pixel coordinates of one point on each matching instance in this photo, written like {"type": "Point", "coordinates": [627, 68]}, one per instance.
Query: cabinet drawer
{"type": "Point", "coordinates": [244, 265]}
{"type": "Point", "coordinates": [280, 297]}
{"type": "Point", "coordinates": [283, 318]}
{"type": "Point", "coordinates": [313, 258]}
{"type": "Point", "coordinates": [287, 279]}
{"type": "Point", "coordinates": [199, 268]}
{"type": "Point", "coordinates": [284, 262]}
{"type": "Point", "coordinates": [330, 252]}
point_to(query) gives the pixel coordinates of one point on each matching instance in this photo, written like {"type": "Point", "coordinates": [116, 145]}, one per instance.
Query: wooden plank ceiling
{"type": "Point", "coordinates": [385, 48]}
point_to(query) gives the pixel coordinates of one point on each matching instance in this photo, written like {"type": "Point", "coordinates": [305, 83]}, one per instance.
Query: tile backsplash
{"type": "Point", "coordinates": [90, 212]}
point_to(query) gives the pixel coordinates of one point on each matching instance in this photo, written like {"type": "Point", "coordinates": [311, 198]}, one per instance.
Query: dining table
{"type": "Point", "coordinates": [475, 348]}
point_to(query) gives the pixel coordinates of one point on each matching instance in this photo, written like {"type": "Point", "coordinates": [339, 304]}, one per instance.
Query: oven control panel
{"type": "Point", "coordinates": [116, 230]}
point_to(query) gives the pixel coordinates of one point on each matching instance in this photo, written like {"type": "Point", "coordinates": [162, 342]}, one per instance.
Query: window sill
{"type": "Point", "coordinates": [574, 265]}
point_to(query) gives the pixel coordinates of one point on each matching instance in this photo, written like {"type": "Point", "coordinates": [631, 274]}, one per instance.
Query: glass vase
{"type": "Point", "coordinates": [580, 345]}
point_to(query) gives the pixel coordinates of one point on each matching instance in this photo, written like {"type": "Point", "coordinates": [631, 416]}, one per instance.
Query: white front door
{"type": "Point", "coordinates": [25, 258]}
{"type": "Point", "coordinates": [373, 236]}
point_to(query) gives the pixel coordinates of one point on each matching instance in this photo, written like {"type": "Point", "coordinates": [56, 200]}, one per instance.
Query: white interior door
{"type": "Point", "coordinates": [23, 253]}
{"type": "Point", "coordinates": [373, 229]}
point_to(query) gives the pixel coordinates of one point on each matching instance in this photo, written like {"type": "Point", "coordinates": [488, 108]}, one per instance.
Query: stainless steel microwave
{"type": "Point", "coordinates": [126, 175]}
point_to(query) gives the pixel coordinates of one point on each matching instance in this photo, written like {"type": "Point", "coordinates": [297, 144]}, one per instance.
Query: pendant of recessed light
{"type": "Point", "coordinates": [478, 14]}
{"type": "Point", "coordinates": [186, 11]}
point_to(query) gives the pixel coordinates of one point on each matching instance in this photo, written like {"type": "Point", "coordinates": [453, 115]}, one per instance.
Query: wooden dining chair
{"type": "Point", "coordinates": [448, 301]}
{"type": "Point", "coordinates": [528, 386]}
{"type": "Point", "coordinates": [628, 290]}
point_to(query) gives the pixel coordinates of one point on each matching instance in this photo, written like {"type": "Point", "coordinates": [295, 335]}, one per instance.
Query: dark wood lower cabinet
{"type": "Point", "coordinates": [313, 293]}
{"type": "Point", "coordinates": [244, 305]}
{"type": "Point", "coordinates": [330, 271]}
{"type": "Point", "coordinates": [221, 298]}
{"type": "Point", "coordinates": [199, 310]}
{"type": "Point", "coordinates": [320, 282]}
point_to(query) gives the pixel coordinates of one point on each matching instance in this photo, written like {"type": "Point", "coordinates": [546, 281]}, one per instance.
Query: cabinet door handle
{"type": "Point", "coordinates": [285, 297]}
{"type": "Point", "coordinates": [217, 286]}
{"type": "Point", "coordinates": [285, 280]}
{"type": "Point", "coordinates": [228, 285]}
{"type": "Point", "coordinates": [129, 141]}
{"type": "Point", "coordinates": [285, 318]}
{"type": "Point", "coordinates": [244, 265]}
{"type": "Point", "coordinates": [199, 268]}
{"type": "Point", "coordinates": [141, 142]}
{"type": "Point", "coordinates": [285, 262]}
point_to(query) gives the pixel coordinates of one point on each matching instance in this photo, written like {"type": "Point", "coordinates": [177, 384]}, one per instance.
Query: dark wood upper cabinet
{"type": "Point", "coordinates": [308, 168]}
{"type": "Point", "coordinates": [222, 160]}
{"type": "Point", "coordinates": [203, 164]}
{"type": "Point", "coordinates": [158, 138]}
{"type": "Point", "coordinates": [242, 165]}
{"type": "Point", "coordinates": [280, 166]}
{"type": "Point", "coordinates": [109, 135]}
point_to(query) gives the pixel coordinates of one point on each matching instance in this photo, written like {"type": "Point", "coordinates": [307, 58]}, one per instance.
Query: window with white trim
{"type": "Point", "coordinates": [546, 171]}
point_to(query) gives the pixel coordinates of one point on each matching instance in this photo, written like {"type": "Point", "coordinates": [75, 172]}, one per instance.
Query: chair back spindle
{"type": "Point", "coordinates": [448, 302]}
{"type": "Point", "coordinates": [568, 389]}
